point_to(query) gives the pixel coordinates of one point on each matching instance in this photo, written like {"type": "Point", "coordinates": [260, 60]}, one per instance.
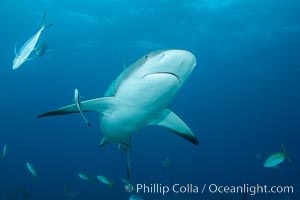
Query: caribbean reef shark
{"type": "Point", "coordinates": [139, 97]}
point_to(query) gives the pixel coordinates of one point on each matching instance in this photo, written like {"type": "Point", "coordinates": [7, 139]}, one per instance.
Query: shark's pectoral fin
{"type": "Point", "coordinates": [171, 121]}
{"type": "Point", "coordinates": [61, 111]}
{"type": "Point", "coordinates": [124, 147]}
{"type": "Point", "coordinates": [102, 105]}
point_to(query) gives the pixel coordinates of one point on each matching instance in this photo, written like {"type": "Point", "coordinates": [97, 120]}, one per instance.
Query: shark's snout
{"type": "Point", "coordinates": [177, 62]}
{"type": "Point", "coordinates": [183, 56]}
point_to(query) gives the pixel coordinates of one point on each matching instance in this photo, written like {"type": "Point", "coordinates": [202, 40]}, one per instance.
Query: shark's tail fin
{"type": "Point", "coordinates": [128, 164]}
{"type": "Point", "coordinates": [125, 149]}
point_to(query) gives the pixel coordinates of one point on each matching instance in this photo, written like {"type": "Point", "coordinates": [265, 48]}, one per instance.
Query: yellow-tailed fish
{"type": "Point", "coordinates": [276, 158]}
{"type": "Point", "coordinates": [105, 180]}
{"type": "Point", "coordinates": [85, 177]}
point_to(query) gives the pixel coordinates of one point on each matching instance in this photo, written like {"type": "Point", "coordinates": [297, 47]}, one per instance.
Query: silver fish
{"type": "Point", "coordinates": [28, 47]}
{"type": "Point", "coordinates": [32, 170]}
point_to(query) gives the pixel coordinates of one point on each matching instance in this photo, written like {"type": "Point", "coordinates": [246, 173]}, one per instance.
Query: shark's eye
{"type": "Point", "coordinates": [146, 57]}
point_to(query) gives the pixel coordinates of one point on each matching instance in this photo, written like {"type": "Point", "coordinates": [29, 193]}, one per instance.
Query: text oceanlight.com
{"type": "Point", "coordinates": [211, 188]}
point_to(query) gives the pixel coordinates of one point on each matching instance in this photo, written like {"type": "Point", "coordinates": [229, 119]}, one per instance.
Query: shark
{"type": "Point", "coordinates": [139, 97]}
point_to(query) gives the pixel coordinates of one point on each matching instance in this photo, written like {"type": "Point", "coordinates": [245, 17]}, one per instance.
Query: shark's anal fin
{"type": "Point", "coordinates": [101, 105]}
{"type": "Point", "coordinates": [171, 121]}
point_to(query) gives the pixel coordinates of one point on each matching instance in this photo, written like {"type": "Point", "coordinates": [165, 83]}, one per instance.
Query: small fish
{"type": "Point", "coordinates": [27, 48]}
{"type": "Point", "coordinates": [136, 197]}
{"type": "Point", "coordinates": [32, 170]}
{"type": "Point", "coordinates": [85, 177]}
{"type": "Point", "coordinates": [166, 163]}
{"type": "Point", "coordinates": [4, 151]}
{"type": "Point", "coordinates": [104, 180]}
{"type": "Point", "coordinates": [78, 104]}
{"type": "Point", "coordinates": [276, 158]}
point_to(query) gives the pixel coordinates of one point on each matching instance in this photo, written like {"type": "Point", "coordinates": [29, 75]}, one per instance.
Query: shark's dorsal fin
{"type": "Point", "coordinates": [101, 105]}
{"type": "Point", "coordinates": [171, 121]}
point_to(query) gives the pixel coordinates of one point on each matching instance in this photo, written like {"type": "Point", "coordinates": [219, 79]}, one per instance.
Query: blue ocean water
{"type": "Point", "coordinates": [241, 100]}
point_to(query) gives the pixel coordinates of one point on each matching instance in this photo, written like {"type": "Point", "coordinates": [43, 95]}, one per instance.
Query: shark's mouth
{"type": "Point", "coordinates": [169, 73]}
